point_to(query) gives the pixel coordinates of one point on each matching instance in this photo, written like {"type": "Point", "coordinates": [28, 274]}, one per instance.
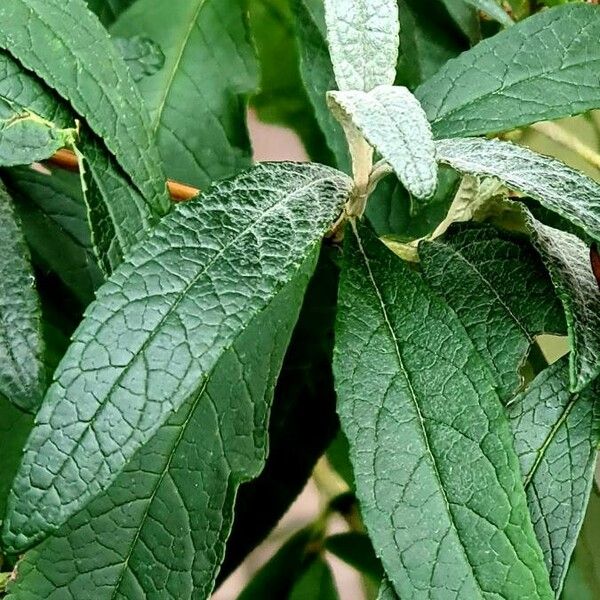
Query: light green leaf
{"type": "Point", "coordinates": [436, 474]}
{"type": "Point", "coordinates": [363, 38]}
{"type": "Point", "coordinates": [502, 84]}
{"type": "Point", "coordinates": [118, 215]}
{"type": "Point", "coordinates": [72, 53]}
{"type": "Point", "coordinates": [568, 260]}
{"type": "Point", "coordinates": [510, 297]}
{"type": "Point", "coordinates": [555, 186]}
{"type": "Point", "coordinates": [393, 122]}
{"type": "Point", "coordinates": [22, 377]}
{"type": "Point", "coordinates": [197, 100]}
{"type": "Point", "coordinates": [315, 583]}
{"type": "Point", "coordinates": [492, 9]}
{"type": "Point", "coordinates": [556, 438]}
{"type": "Point", "coordinates": [296, 439]}
{"type": "Point", "coordinates": [159, 531]}
{"type": "Point", "coordinates": [158, 328]}
{"type": "Point", "coordinates": [26, 137]}
{"type": "Point", "coordinates": [15, 426]}
{"type": "Point", "coordinates": [54, 222]}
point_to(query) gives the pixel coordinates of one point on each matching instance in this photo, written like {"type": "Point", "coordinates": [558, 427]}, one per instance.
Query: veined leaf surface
{"type": "Point", "coordinates": [158, 328]}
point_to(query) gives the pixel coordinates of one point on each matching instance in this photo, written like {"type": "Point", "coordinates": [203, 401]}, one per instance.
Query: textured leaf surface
{"type": "Point", "coordinates": [315, 583]}
{"type": "Point", "coordinates": [567, 259]}
{"type": "Point", "coordinates": [54, 222]}
{"type": "Point", "coordinates": [363, 40]}
{"type": "Point", "coordinates": [436, 474]}
{"type": "Point", "coordinates": [26, 137]}
{"type": "Point", "coordinates": [500, 290]}
{"type": "Point", "coordinates": [196, 100]}
{"type": "Point", "coordinates": [296, 438]}
{"type": "Point", "coordinates": [502, 84]}
{"type": "Point", "coordinates": [22, 377]}
{"type": "Point", "coordinates": [143, 56]}
{"type": "Point", "coordinates": [65, 45]}
{"type": "Point", "coordinates": [160, 530]}
{"type": "Point", "coordinates": [159, 326]}
{"type": "Point", "coordinates": [556, 437]}
{"type": "Point", "coordinates": [492, 9]}
{"type": "Point", "coordinates": [386, 591]}
{"type": "Point", "coordinates": [393, 122]}
{"type": "Point", "coordinates": [555, 186]}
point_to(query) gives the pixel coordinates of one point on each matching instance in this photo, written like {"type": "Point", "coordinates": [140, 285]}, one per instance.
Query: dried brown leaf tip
{"type": "Point", "coordinates": [595, 258]}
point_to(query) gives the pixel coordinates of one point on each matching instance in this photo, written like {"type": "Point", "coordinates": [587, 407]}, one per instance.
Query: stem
{"type": "Point", "coordinates": [556, 133]}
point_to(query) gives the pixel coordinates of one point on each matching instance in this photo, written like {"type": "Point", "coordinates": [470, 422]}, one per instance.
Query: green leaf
{"type": "Point", "coordinates": [436, 474]}
{"type": "Point", "coordinates": [317, 73]}
{"type": "Point", "coordinates": [22, 377]}
{"type": "Point", "coordinates": [502, 84]}
{"type": "Point", "coordinates": [555, 186]}
{"type": "Point", "coordinates": [315, 583]}
{"type": "Point", "coordinates": [583, 577]}
{"type": "Point", "coordinates": [356, 550]}
{"type": "Point", "coordinates": [158, 328]}
{"type": "Point", "coordinates": [72, 53]}
{"type": "Point", "coordinates": [108, 10]}
{"type": "Point", "coordinates": [363, 38]}
{"type": "Point", "coordinates": [276, 578]}
{"type": "Point", "coordinates": [568, 261]}
{"type": "Point", "coordinates": [26, 137]}
{"type": "Point", "coordinates": [556, 438]}
{"type": "Point", "coordinates": [466, 17]}
{"type": "Point", "coordinates": [197, 100]}
{"type": "Point", "coordinates": [492, 9]}
{"type": "Point", "coordinates": [510, 297]}
{"type": "Point", "coordinates": [15, 426]}
{"type": "Point", "coordinates": [393, 122]}
{"type": "Point", "coordinates": [296, 438]}
{"type": "Point", "coordinates": [386, 591]}
{"type": "Point", "coordinates": [54, 222]}
{"type": "Point", "coordinates": [143, 56]}
{"type": "Point", "coordinates": [160, 529]}
{"type": "Point", "coordinates": [118, 215]}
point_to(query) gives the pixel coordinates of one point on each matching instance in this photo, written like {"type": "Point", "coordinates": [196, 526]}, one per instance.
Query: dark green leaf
{"type": "Point", "coordinates": [500, 290]}
{"type": "Point", "coordinates": [22, 377]}
{"type": "Point", "coordinates": [160, 325]}
{"type": "Point", "coordinates": [386, 591]}
{"type": "Point", "coordinates": [15, 426]}
{"type": "Point", "coordinates": [160, 528]}
{"type": "Point", "coordinates": [556, 438]}
{"type": "Point", "coordinates": [356, 550]}
{"type": "Point", "coordinates": [70, 51]}
{"type": "Point", "coordinates": [315, 583]}
{"type": "Point", "coordinates": [55, 225]}
{"type": "Point", "coordinates": [143, 56]}
{"type": "Point", "coordinates": [197, 100]}
{"type": "Point", "coordinates": [108, 10]}
{"type": "Point", "coordinates": [568, 260]}
{"type": "Point", "coordinates": [436, 474]}
{"type": "Point", "coordinates": [303, 419]}
{"type": "Point", "coordinates": [557, 187]}
{"type": "Point", "coordinates": [502, 84]}
{"type": "Point", "coordinates": [338, 455]}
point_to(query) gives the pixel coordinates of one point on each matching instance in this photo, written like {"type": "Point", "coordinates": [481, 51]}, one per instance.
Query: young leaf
{"type": "Point", "coordinates": [363, 38]}
{"type": "Point", "coordinates": [492, 9]}
{"type": "Point", "coordinates": [26, 137]}
{"type": "Point", "coordinates": [72, 53]}
{"type": "Point", "coordinates": [502, 84]}
{"type": "Point", "coordinates": [555, 186]}
{"type": "Point", "coordinates": [22, 377]}
{"type": "Point", "coordinates": [296, 438]}
{"type": "Point", "coordinates": [393, 122]}
{"type": "Point", "coordinates": [159, 326]}
{"type": "Point", "coordinates": [510, 297]}
{"type": "Point", "coordinates": [436, 474]}
{"type": "Point", "coordinates": [556, 438]}
{"type": "Point", "coordinates": [315, 583]}
{"type": "Point", "coordinates": [54, 222]}
{"type": "Point", "coordinates": [567, 259]}
{"type": "Point", "coordinates": [197, 100]}
{"type": "Point", "coordinates": [160, 528]}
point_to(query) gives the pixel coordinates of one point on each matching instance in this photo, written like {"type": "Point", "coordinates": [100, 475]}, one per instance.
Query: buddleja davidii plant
{"type": "Point", "coordinates": [446, 477]}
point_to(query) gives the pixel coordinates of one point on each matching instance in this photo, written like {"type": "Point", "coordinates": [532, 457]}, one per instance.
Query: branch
{"type": "Point", "coordinates": [65, 159]}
